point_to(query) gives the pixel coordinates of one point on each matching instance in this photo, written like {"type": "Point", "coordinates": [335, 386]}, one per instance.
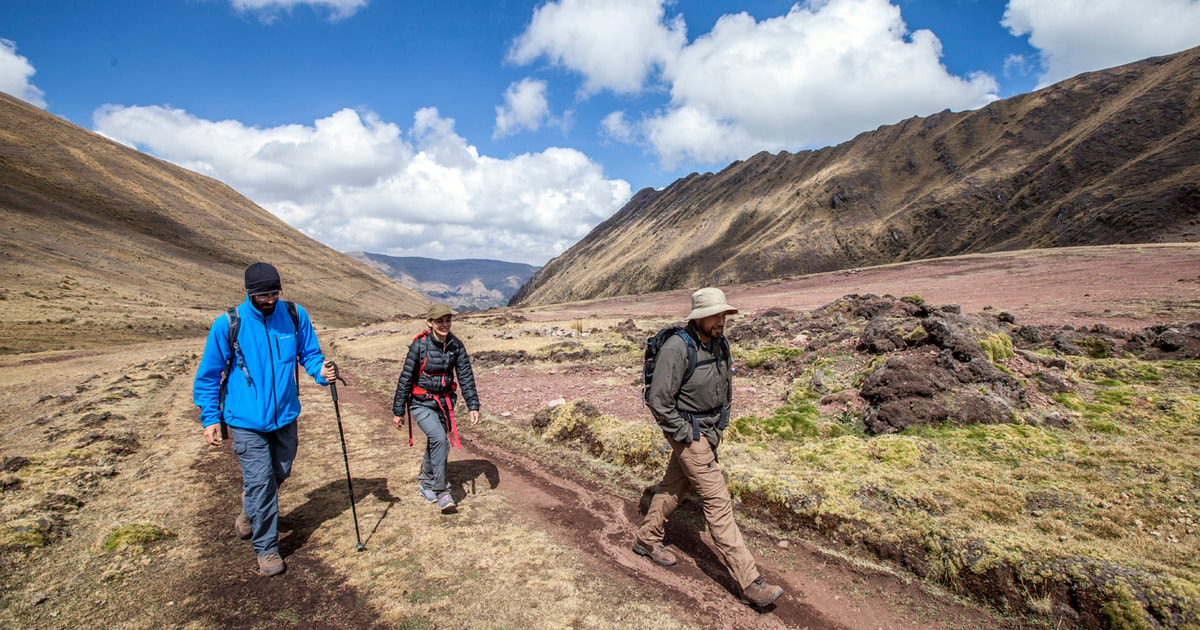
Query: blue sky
{"type": "Point", "coordinates": [509, 129]}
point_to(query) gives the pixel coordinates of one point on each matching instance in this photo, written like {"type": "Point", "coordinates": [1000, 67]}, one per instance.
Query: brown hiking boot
{"type": "Point", "coordinates": [761, 594]}
{"type": "Point", "coordinates": [658, 553]}
{"type": "Point", "coordinates": [241, 526]}
{"type": "Point", "coordinates": [271, 564]}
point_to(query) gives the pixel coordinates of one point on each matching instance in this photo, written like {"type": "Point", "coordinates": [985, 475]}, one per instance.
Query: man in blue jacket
{"type": "Point", "coordinates": [260, 401]}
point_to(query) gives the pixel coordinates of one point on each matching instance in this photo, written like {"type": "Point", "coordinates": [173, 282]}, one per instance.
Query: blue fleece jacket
{"type": "Point", "coordinates": [263, 396]}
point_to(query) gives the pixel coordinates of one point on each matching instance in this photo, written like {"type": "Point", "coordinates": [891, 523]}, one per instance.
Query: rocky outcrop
{"type": "Point", "coordinates": [938, 365]}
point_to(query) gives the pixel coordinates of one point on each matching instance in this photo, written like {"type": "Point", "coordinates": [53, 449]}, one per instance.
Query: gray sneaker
{"type": "Point", "coordinates": [271, 564]}
{"type": "Point", "coordinates": [429, 495]}
{"type": "Point", "coordinates": [446, 503]}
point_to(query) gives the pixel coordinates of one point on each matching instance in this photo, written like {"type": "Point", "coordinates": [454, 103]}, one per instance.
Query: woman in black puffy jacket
{"type": "Point", "coordinates": [426, 393]}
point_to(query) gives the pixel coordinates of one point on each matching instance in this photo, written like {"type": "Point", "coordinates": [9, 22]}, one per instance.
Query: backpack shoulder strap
{"type": "Point", "coordinates": [235, 356]}
{"type": "Point", "coordinates": [691, 353]}
{"type": "Point", "coordinates": [423, 352]}
{"type": "Point", "coordinates": [235, 349]}
{"type": "Point", "coordinates": [291, 309]}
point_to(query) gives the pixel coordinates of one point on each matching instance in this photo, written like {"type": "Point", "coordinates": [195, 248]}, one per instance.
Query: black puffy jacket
{"type": "Point", "coordinates": [430, 369]}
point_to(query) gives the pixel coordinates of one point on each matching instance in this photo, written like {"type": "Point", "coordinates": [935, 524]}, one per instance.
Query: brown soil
{"type": "Point", "coordinates": [823, 591]}
{"type": "Point", "coordinates": [578, 527]}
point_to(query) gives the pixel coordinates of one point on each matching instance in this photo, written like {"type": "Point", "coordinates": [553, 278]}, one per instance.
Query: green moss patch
{"type": "Point", "coordinates": [760, 356]}
{"type": "Point", "coordinates": [997, 347]}
{"type": "Point", "coordinates": [28, 533]}
{"type": "Point", "coordinates": [135, 535]}
{"type": "Point", "coordinates": [580, 424]}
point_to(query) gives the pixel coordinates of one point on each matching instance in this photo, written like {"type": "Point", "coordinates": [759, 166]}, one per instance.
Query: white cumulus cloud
{"type": "Point", "coordinates": [15, 75]}
{"type": "Point", "coordinates": [355, 182]}
{"type": "Point", "coordinates": [615, 44]}
{"type": "Point", "coordinates": [338, 9]}
{"type": "Point", "coordinates": [818, 75]}
{"type": "Point", "coordinates": [1075, 36]}
{"type": "Point", "coordinates": [823, 72]}
{"type": "Point", "coordinates": [615, 126]}
{"type": "Point", "coordinates": [525, 107]}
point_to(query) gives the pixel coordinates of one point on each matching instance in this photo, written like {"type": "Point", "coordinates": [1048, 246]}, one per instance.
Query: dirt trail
{"type": "Point", "coordinates": [822, 591]}
{"type": "Point", "coordinates": [112, 434]}
{"type": "Point", "coordinates": [230, 594]}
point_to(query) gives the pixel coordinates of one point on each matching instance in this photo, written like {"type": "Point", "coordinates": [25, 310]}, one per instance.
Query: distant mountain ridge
{"type": "Point", "coordinates": [465, 284]}
{"type": "Point", "coordinates": [1103, 158]}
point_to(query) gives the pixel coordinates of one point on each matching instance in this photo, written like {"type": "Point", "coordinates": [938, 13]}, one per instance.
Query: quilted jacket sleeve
{"type": "Point", "coordinates": [408, 377]}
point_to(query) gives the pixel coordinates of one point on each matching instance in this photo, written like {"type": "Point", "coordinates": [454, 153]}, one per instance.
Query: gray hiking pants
{"type": "Point", "coordinates": [437, 449]}
{"type": "Point", "coordinates": [266, 460]}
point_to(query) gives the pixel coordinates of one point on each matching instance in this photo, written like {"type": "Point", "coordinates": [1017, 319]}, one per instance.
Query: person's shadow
{"type": "Point", "coordinates": [462, 476]}
{"type": "Point", "coordinates": [327, 502]}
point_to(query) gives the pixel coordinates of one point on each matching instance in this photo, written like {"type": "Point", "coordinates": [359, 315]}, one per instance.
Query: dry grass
{"type": "Point", "coordinates": [1114, 496]}
{"type": "Point", "coordinates": [112, 509]}
{"type": "Point", "coordinates": [1118, 489]}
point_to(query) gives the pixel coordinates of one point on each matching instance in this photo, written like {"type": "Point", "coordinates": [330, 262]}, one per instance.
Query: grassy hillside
{"type": "Point", "coordinates": [102, 245]}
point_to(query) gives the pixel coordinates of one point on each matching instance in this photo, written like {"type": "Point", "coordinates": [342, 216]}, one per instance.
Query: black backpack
{"type": "Point", "coordinates": [235, 352]}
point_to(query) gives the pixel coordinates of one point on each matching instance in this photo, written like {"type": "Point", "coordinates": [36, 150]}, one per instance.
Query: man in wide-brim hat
{"type": "Point", "coordinates": [693, 413]}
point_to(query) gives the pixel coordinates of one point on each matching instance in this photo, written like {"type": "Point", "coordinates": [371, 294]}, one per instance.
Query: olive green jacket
{"type": "Point", "coordinates": [705, 393]}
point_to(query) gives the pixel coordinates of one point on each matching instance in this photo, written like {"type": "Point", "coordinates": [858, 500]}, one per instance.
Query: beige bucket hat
{"type": "Point", "coordinates": [709, 301]}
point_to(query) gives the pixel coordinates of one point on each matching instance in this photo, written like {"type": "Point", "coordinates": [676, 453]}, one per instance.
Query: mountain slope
{"type": "Point", "coordinates": [1106, 157]}
{"type": "Point", "coordinates": [468, 284]}
{"type": "Point", "coordinates": [102, 244]}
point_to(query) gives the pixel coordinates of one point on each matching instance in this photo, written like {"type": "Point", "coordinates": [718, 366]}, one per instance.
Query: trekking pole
{"type": "Point", "coordinates": [345, 458]}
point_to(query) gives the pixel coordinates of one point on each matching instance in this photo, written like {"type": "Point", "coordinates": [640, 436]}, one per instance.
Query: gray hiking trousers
{"type": "Point", "coordinates": [437, 449]}
{"type": "Point", "coordinates": [266, 460]}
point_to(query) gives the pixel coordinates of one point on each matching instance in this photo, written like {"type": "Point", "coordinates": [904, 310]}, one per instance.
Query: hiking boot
{"type": "Point", "coordinates": [446, 503]}
{"type": "Point", "coordinates": [761, 594]}
{"type": "Point", "coordinates": [241, 526]}
{"type": "Point", "coordinates": [658, 553]}
{"type": "Point", "coordinates": [429, 495]}
{"type": "Point", "coordinates": [271, 564]}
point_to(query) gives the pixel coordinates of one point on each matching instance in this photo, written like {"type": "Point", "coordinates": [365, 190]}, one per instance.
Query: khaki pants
{"type": "Point", "coordinates": [694, 466]}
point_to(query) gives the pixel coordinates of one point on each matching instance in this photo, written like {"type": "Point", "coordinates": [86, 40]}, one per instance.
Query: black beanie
{"type": "Point", "coordinates": [262, 278]}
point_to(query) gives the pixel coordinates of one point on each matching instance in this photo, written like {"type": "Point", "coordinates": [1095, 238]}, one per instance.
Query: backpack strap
{"type": "Point", "coordinates": [235, 354]}
{"type": "Point", "coordinates": [690, 342]}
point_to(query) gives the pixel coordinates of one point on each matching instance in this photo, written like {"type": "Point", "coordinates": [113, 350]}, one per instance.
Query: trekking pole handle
{"type": "Point", "coordinates": [337, 376]}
